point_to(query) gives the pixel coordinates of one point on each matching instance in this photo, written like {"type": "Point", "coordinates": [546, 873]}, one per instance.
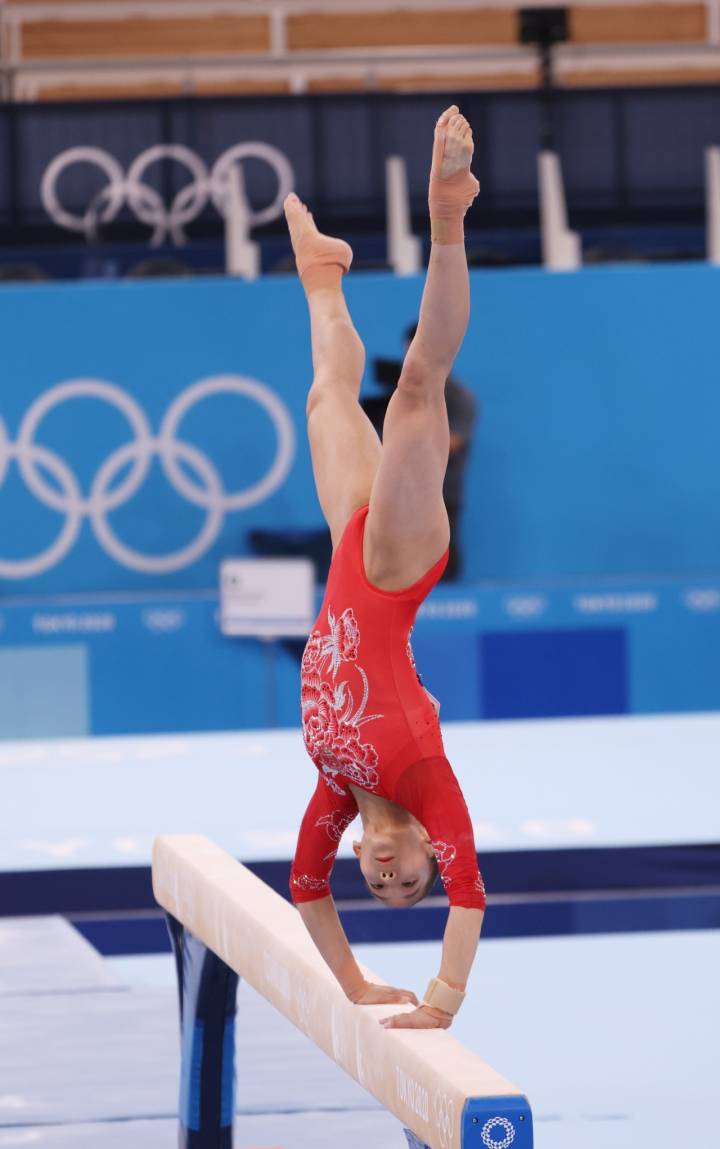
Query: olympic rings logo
{"type": "Point", "coordinates": [503, 1125]}
{"type": "Point", "coordinates": [148, 205]}
{"type": "Point", "coordinates": [444, 1118]}
{"type": "Point", "coordinates": [105, 496]}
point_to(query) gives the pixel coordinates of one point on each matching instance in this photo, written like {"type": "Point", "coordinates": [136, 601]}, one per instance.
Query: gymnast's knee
{"type": "Point", "coordinates": [332, 387]}
{"type": "Point", "coordinates": [422, 378]}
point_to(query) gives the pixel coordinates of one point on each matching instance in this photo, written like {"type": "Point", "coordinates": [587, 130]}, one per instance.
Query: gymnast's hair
{"type": "Point", "coordinates": [431, 880]}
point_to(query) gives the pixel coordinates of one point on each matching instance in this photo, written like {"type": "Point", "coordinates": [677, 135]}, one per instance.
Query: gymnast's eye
{"type": "Point", "coordinates": [409, 885]}
{"type": "Point", "coordinates": [380, 886]}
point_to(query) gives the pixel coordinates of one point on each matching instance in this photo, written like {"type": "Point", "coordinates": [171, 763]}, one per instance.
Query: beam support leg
{"type": "Point", "coordinates": [208, 1005]}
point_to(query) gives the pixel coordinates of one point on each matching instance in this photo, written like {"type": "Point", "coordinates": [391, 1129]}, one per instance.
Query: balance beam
{"type": "Point", "coordinates": [447, 1096]}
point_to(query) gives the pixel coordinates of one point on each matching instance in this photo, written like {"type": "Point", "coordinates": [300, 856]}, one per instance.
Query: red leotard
{"type": "Point", "coordinates": [368, 720]}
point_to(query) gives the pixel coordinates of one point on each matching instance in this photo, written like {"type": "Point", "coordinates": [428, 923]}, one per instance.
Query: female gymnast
{"type": "Point", "coordinates": [369, 725]}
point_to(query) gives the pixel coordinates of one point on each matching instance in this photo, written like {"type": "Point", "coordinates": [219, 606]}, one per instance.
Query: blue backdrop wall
{"type": "Point", "coordinates": [144, 664]}
{"type": "Point", "coordinates": [145, 429]}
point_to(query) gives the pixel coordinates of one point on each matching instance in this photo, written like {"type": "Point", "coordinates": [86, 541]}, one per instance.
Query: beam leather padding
{"type": "Point", "coordinates": [447, 1095]}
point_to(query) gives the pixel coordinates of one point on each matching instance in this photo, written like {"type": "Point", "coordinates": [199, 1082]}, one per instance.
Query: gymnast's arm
{"type": "Point", "coordinates": [328, 815]}
{"type": "Point", "coordinates": [325, 929]}
{"type": "Point", "coordinates": [430, 791]}
{"type": "Point", "coordinates": [460, 942]}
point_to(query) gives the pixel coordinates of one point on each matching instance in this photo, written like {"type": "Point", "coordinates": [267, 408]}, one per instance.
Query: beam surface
{"type": "Point", "coordinates": [447, 1095]}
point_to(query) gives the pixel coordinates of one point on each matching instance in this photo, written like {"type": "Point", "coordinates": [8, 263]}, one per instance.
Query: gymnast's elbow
{"type": "Point", "coordinates": [306, 888]}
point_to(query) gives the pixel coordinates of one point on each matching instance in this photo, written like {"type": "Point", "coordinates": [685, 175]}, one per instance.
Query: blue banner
{"type": "Point", "coordinates": [147, 430]}
{"type": "Point", "coordinates": [130, 664]}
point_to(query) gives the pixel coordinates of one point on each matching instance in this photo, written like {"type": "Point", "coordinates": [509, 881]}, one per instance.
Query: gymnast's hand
{"type": "Point", "coordinates": [370, 994]}
{"type": "Point", "coordinates": [424, 1017]}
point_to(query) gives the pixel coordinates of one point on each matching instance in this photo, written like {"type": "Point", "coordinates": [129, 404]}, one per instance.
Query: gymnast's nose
{"type": "Point", "coordinates": [387, 875]}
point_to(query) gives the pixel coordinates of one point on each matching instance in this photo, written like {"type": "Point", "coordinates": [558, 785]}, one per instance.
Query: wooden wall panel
{"type": "Point", "coordinates": [338, 84]}
{"type": "Point", "coordinates": [319, 31]}
{"type": "Point", "coordinates": [638, 77]}
{"type": "Point", "coordinates": [477, 81]}
{"type": "Point", "coordinates": [639, 23]}
{"type": "Point", "coordinates": [159, 89]}
{"type": "Point", "coordinates": [423, 82]}
{"type": "Point", "coordinates": [109, 91]}
{"type": "Point", "coordinates": [135, 37]}
{"type": "Point", "coordinates": [499, 81]}
{"type": "Point", "coordinates": [275, 85]}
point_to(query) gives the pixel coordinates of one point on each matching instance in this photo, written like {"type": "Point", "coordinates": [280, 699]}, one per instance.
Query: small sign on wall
{"type": "Point", "coordinates": [267, 598]}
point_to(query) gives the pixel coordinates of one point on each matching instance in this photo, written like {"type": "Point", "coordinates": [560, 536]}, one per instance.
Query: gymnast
{"type": "Point", "coordinates": [369, 725]}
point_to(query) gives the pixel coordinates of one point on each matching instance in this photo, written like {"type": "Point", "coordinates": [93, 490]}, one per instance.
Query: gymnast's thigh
{"type": "Point", "coordinates": [346, 453]}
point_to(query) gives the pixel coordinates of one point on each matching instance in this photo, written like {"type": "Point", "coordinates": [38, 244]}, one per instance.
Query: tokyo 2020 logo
{"type": "Point", "coordinates": [498, 1133]}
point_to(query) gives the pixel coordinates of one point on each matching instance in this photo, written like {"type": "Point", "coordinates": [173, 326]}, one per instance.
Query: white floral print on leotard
{"type": "Point", "coordinates": [445, 854]}
{"type": "Point", "coordinates": [335, 826]}
{"type": "Point", "coordinates": [308, 882]}
{"type": "Point", "coordinates": [330, 720]}
{"type": "Point", "coordinates": [410, 652]}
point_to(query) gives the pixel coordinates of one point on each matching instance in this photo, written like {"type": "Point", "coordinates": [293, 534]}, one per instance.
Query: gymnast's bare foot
{"type": "Point", "coordinates": [453, 147]}
{"type": "Point", "coordinates": [299, 220]}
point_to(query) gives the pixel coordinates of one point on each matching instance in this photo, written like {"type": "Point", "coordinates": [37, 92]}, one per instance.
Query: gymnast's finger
{"type": "Point", "coordinates": [404, 1021]}
{"type": "Point", "coordinates": [407, 995]}
{"type": "Point", "coordinates": [398, 996]}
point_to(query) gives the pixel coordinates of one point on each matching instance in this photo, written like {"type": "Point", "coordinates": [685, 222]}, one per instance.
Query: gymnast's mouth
{"type": "Point", "coordinates": [389, 859]}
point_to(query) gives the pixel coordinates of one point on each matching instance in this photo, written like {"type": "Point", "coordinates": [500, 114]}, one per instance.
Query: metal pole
{"type": "Point", "coordinates": [547, 129]}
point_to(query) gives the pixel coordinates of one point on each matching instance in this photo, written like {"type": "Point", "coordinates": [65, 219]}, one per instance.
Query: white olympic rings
{"type": "Point", "coordinates": [147, 203]}
{"type": "Point", "coordinates": [444, 1118]}
{"type": "Point", "coordinates": [66, 497]}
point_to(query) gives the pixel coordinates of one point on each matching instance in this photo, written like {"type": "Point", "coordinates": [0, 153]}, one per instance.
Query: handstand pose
{"type": "Point", "coordinates": [369, 725]}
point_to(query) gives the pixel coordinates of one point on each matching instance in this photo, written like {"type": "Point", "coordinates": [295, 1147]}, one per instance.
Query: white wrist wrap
{"type": "Point", "coordinates": [440, 995]}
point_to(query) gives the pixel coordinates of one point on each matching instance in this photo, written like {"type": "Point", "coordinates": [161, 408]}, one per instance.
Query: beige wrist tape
{"type": "Point", "coordinates": [440, 995]}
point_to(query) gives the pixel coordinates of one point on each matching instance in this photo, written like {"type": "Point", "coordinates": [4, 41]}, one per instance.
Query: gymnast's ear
{"type": "Point", "coordinates": [357, 849]}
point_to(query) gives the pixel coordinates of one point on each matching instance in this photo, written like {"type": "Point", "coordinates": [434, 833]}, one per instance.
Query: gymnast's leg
{"type": "Point", "coordinates": [407, 529]}
{"type": "Point", "coordinates": [344, 445]}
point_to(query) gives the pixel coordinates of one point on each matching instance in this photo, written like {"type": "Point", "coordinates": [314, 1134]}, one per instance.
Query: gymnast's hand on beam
{"type": "Point", "coordinates": [422, 1018]}
{"type": "Point", "coordinates": [370, 994]}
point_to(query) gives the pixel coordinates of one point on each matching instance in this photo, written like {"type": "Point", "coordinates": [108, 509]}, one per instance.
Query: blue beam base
{"type": "Point", "coordinates": [497, 1123]}
{"type": "Point", "coordinates": [208, 1005]}
{"type": "Point", "coordinates": [489, 1123]}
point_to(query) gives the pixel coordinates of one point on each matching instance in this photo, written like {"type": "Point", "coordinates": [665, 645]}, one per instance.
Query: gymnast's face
{"type": "Point", "coordinates": [396, 865]}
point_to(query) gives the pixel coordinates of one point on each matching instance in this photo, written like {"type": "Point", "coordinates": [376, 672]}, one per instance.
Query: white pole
{"type": "Point", "coordinates": [712, 203]}
{"type": "Point", "coordinates": [561, 247]}
{"type": "Point", "coordinates": [242, 256]}
{"type": "Point", "coordinates": [404, 248]}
